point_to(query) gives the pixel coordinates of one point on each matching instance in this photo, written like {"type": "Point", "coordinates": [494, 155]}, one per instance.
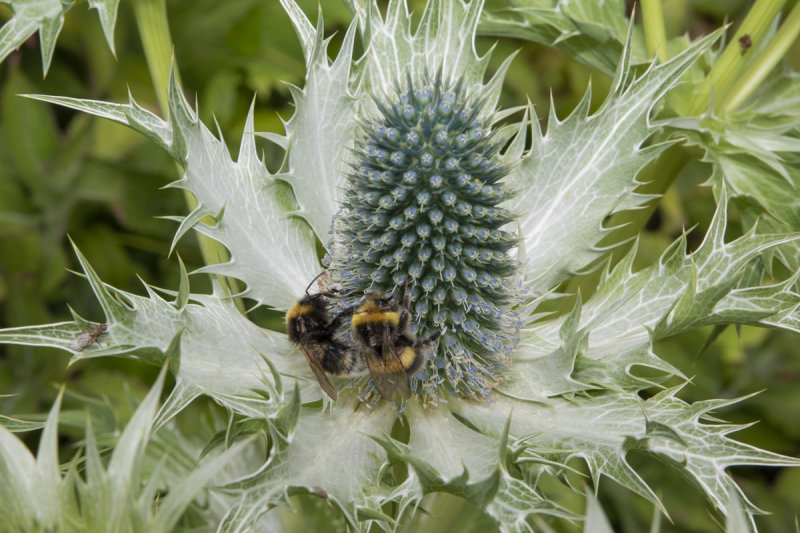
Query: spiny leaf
{"type": "Point", "coordinates": [107, 11]}
{"type": "Point", "coordinates": [447, 455]}
{"type": "Point", "coordinates": [443, 39]}
{"type": "Point", "coordinates": [600, 429]}
{"type": "Point", "coordinates": [329, 453]}
{"type": "Point", "coordinates": [183, 288]}
{"type": "Point", "coordinates": [595, 520]}
{"type": "Point", "coordinates": [321, 131]}
{"type": "Point", "coordinates": [591, 32]}
{"type": "Point", "coordinates": [181, 494]}
{"type": "Point", "coordinates": [144, 328]}
{"type": "Point", "coordinates": [631, 310]}
{"type": "Point", "coordinates": [257, 224]}
{"type": "Point", "coordinates": [584, 169]}
{"type": "Point", "coordinates": [47, 17]}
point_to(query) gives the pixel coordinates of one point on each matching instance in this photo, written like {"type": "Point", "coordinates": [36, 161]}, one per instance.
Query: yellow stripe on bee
{"type": "Point", "coordinates": [395, 365]}
{"type": "Point", "coordinates": [298, 309]}
{"type": "Point", "coordinates": [390, 366]}
{"type": "Point", "coordinates": [408, 356]}
{"type": "Point", "coordinates": [367, 317]}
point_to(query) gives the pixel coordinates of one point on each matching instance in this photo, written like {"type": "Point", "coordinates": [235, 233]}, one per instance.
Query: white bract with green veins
{"type": "Point", "coordinates": [398, 163]}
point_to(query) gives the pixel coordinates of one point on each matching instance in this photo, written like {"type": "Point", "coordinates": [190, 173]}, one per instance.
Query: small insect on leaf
{"type": "Point", "coordinates": [745, 43]}
{"type": "Point", "coordinates": [87, 337]}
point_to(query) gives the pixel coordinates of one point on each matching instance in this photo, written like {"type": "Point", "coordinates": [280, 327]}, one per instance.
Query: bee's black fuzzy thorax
{"type": "Point", "coordinates": [309, 318]}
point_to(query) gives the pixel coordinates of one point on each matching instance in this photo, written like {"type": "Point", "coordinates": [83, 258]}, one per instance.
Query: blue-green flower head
{"type": "Point", "coordinates": [422, 213]}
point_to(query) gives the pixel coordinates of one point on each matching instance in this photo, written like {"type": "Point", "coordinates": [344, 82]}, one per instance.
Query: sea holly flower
{"type": "Point", "coordinates": [422, 217]}
{"type": "Point", "coordinates": [402, 164]}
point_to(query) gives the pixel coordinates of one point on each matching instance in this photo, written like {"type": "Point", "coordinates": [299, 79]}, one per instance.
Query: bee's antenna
{"type": "Point", "coordinates": [315, 279]}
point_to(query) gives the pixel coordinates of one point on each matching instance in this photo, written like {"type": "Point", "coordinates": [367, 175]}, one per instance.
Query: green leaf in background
{"type": "Point", "coordinates": [593, 33]}
{"type": "Point", "coordinates": [47, 18]}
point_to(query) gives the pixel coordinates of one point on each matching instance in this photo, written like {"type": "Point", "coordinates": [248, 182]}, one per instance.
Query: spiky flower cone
{"type": "Point", "coordinates": [422, 213]}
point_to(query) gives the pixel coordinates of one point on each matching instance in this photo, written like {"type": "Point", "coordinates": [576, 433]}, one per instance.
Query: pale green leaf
{"type": "Point", "coordinates": [132, 115]}
{"type": "Point", "coordinates": [31, 494]}
{"type": "Point", "coordinates": [124, 466]}
{"type": "Point", "coordinates": [629, 310]}
{"type": "Point", "coordinates": [17, 465]}
{"type": "Point", "coordinates": [443, 40]}
{"type": "Point", "coordinates": [595, 520]}
{"type": "Point", "coordinates": [602, 429]}
{"type": "Point", "coordinates": [272, 251]}
{"type": "Point", "coordinates": [738, 521]}
{"type": "Point", "coordinates": [221, 352]}
{"type": "Point", "coordinates": [36, 496]}
{"type": "Point", "coordinates": [449, 446]}
{"type": "Point", "coordinates": [47, 17]}
{"type": "Point", "coordinates": [183, 289]}
{"type": "Point", "coordinates": [321, 131]}
{"type": "Point", "coordinates": [448, 455]}
{"type": "Point", "coordinates": [44, 16]}
{"type": "Point", "coordinates": [306, 33]}
{"type": "Point", "coordinates": [184, 491]}
{"type": "Point", "coordinates": [107, 11]}
{"type": "Point", "coordinates": [754, 155]}
{"type": "Point", "coordinates": [584, 169]}
{"type": "Point", "coordinates": [46, 477]}
{"type": "Point", "coordinates": [17, 426]}
{"type": "Point", "coordinates": [330, 455]}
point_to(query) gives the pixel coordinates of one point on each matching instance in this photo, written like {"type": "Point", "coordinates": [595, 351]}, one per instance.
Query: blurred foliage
{"type": "Point", "coordinates": [68, 174]}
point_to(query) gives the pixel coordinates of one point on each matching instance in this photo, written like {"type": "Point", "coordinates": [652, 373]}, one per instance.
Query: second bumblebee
{"type": "Point", "coordinates": [379, 327]}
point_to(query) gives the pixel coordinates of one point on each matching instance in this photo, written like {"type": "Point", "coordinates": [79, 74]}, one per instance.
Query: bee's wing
{"type": "Point", "coordinates": [313, 356]}
{"type": "Point", "coordinates": [387, 373]}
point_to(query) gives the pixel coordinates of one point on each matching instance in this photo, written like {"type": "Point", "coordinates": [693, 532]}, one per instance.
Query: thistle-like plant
{"type": "Point", "coordinates": [401, 164]}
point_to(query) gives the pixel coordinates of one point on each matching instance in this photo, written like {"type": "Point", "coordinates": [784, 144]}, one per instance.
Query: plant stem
{"type": "Point", "coordinates": [151, 20]}
{"type": "Point", "coordinates": [765, 62]}
{"type": "Point", "coordinates": [730, 64]}
{"type": "Point", "coordinates": [654, 33]}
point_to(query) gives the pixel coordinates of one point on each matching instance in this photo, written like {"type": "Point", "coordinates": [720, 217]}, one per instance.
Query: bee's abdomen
{"type": "Point", "coordinates": [340, 360]}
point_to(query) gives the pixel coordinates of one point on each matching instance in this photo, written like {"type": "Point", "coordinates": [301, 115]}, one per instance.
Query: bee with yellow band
{"type": "Point", "coordinates": [310, 325]}
{"type": "Point", "coordinates": [379, 327]}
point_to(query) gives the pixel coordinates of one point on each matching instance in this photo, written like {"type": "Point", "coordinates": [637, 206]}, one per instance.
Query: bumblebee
{"type": "Point", "coordinates": [310, 325]}
{"type": "Point", "coordinates": [379, 327]}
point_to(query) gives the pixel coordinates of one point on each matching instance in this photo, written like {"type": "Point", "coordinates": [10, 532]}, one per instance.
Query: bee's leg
{"type": "Point", "coordinates": [346, 314]}
{"type": "Point", "coordinates": [330, 293]}
{"type": "Point", "coordinates": [428, 341]}
{"type": "Point", "coordinates": [405, 317]}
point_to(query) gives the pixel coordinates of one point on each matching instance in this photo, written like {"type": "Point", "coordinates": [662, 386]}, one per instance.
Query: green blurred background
{"type": "Point", "coordinates": [65, 173]}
